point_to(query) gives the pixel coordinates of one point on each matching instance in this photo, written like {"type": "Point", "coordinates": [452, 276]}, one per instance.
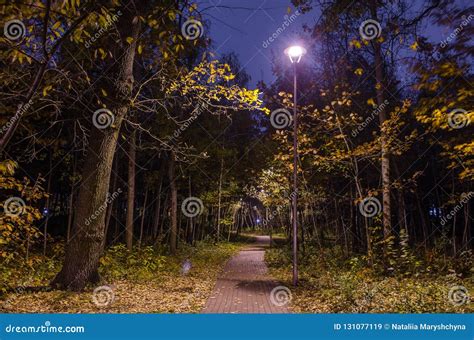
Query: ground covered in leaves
{"type": "Point", "coordinates": [330, 284]}
{"type": "Point", "coordinates": [142, 281]}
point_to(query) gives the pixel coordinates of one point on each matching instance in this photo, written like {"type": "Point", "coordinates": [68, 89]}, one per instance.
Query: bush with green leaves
{"type": "Point", "coordinates": [118, 262]}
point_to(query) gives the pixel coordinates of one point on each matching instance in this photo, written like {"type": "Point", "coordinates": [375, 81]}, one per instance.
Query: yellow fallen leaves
{"type": "Point", "coordinates": [166, 292]}
{"type": "Point", "coordinates": [171, 295]}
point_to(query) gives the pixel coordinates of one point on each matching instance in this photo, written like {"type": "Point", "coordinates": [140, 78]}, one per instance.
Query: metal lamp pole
{"type": "Point", "coordinates": [295, 53]}
{"type": "Point", "coordinates": [295, 181]}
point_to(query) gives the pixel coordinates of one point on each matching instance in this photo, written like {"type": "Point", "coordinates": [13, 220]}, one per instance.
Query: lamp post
{"type": "Point", "coordinates": [295, 53]}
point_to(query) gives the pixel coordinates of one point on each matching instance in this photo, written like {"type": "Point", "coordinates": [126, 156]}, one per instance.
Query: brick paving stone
{"type": "Point", "coordinates": [245, 286]}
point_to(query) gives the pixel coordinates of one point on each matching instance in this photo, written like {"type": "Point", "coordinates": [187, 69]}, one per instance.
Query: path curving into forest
{"type": "Point", "coordinates": [245, 285]}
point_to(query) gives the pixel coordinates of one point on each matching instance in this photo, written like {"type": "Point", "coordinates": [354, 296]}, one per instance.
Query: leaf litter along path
{"type": "Point", "coordinates": [164, 290]}
{"type": "Point", "coordinates": [246, 287]}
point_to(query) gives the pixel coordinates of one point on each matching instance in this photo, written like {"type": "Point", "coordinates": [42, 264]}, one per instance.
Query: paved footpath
{"type": "Point", "coordinates": [245, 286]}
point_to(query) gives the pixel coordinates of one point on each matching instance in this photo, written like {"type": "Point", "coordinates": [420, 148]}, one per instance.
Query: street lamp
{"type": "Point", "coordinates": [295, 53]}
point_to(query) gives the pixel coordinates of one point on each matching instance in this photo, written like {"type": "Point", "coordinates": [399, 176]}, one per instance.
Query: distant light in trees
{"type": "Point", "coordinates": [435, 212]}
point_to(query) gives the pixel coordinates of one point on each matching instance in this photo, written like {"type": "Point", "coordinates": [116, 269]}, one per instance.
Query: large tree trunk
{"type": "Point", "coordinates": [131, 191]}
{"type": "Point", "coordinates": [71, 200]}
{"type": "Point", "coordinates": [83, 250]}
{"type": "Point", "coordinates": [173, 204]}
{"type": "Point", "coordinates": [110, 208]}
{"type": "Point", "coordinates": [85, 247]}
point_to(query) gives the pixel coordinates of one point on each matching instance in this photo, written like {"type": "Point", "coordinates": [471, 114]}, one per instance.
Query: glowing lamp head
{"type": "Point", "coordinates": [295, 53]}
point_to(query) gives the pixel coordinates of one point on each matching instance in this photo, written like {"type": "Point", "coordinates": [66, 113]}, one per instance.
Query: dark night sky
{"type": "Point", "coordinates": [242, 26]}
